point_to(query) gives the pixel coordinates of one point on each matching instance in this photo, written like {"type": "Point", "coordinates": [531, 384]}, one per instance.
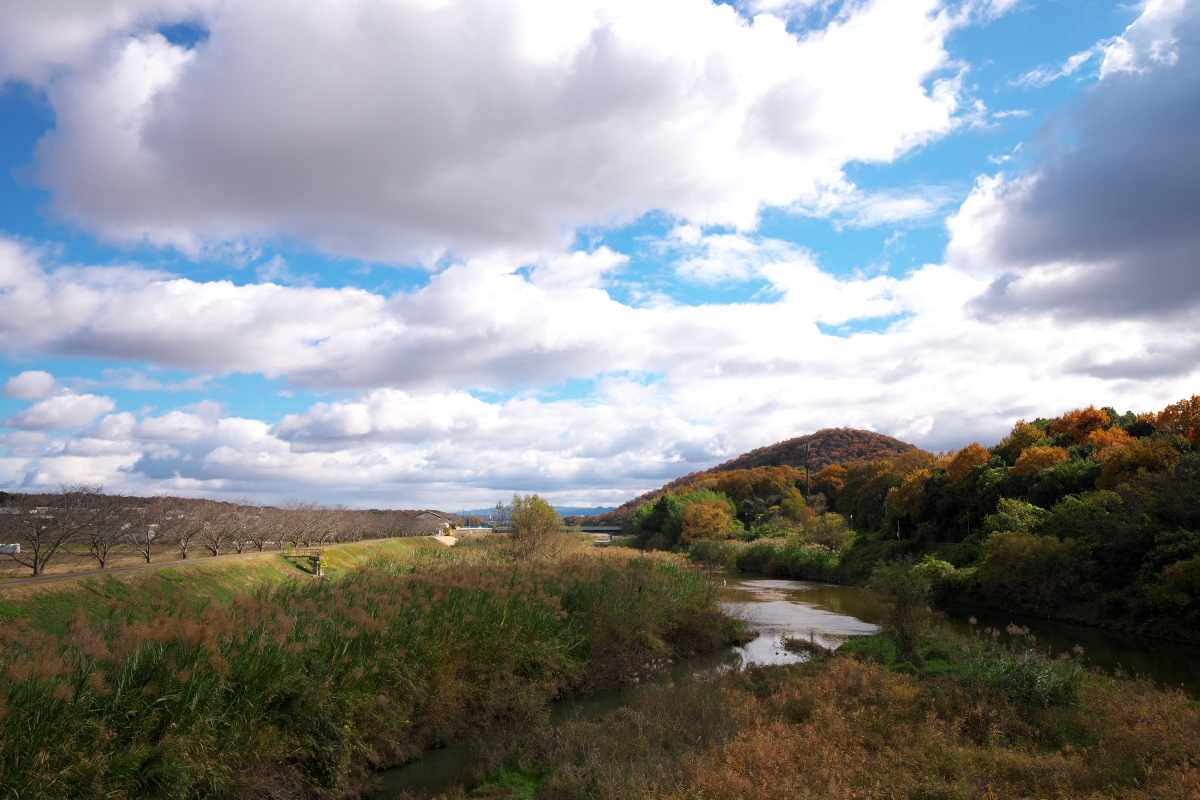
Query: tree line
{"type": "Point", "coordinates": [86, 523]}
{"type": "Point", "coordinates": [1093, 516]}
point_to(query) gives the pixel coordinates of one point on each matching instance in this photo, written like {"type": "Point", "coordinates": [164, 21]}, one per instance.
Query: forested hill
{"type": "Point", "coordinates": [825, 447]}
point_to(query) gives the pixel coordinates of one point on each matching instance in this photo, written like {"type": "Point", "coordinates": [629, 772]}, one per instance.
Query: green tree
{"type": "Point", "coordinates": [536, 528]}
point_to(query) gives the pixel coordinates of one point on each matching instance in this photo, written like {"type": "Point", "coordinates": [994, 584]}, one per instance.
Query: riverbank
{"type": "Point", "coordinates": [303, 688]}
{"type": "Point", "coordinates": [979, 719]}
{"type": "Point", "coordinates": [780, 558]}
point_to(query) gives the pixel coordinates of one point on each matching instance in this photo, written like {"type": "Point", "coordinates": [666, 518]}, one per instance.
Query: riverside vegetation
{"type": "Point", "coordinates": [1092, 517]}
{"type": "Point", "coordinates": [980, 720]}
{"type": "Point", "coordinates": [133, 688]}
{"type": "Point", "coordinates": [898, 715]}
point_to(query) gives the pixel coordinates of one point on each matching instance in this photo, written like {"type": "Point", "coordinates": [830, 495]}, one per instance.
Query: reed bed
{"type": "Point", "coordinates": [302, 690]}
{"type": "Point", "coordinates": [846, 727]}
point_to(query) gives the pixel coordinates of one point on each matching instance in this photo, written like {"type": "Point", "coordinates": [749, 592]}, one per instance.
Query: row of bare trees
{"type": "Point", "coordinates": [83, 521]}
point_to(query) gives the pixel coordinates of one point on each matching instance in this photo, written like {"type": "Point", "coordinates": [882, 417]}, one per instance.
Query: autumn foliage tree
{"type": "Point", "coordinates": [1138, 456]}
{"type": "Point", "coordinates": [1023, 436]}
{"type": "Point", "coordinates": [1182, 418]}
{"type": "Point", "coordinates": [707, 519]}
{"type": "Point", "coordinates": [962, 464]}
{"type": "Point", "coordinates": [1036, 459]}
{"type": "Point", "coordinates": [1081, 422]}
{"type": "Point", "coordinates": [1103, 440]}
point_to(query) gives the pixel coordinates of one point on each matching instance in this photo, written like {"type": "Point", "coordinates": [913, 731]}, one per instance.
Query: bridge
{"type": "Point", "coordinates": [601, 534]}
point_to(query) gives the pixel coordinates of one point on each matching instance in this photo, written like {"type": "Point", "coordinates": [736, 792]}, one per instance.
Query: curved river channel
{"type": "Point", "coordinates": [830, 615]}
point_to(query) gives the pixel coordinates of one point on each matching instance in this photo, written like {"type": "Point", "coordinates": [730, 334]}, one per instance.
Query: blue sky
{"type": "Point", "coordinates": [425, 255]}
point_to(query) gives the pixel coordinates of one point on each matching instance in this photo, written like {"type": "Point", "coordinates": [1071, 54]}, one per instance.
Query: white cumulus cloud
{"type": "Point", "coordinates": [400, 129]}
{"type": "Point", "coordinates": [62, 411]}
{"type": "Point", "coordinates": [32, 384]}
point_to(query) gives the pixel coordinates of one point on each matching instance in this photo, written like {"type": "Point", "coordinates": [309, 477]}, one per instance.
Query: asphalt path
{"type": "Point", "coordinates": [179, 563]}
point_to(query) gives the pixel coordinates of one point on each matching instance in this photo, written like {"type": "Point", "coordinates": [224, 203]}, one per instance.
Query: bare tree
{"type": "Point", "coordinates": [157, 522]}
{"type": "Point", "coordinates": [98, 518]}
{"type": "Point", "coordinates": [216, 527]}
{"type": "Point", "coordinates": [44, 525]}
{"type": "Point", "coordinates": [239, 520]}
{"type": "Point", "coordinates": [501, 515]}
{"type": "Point", "coordinates": [264, 528]}
{"type": "Point", "coordinates": [37, 529]}
{"type": "Point", "coordinates": [189, 529]}
{"type": "Point", "coordinates": [302, 521]}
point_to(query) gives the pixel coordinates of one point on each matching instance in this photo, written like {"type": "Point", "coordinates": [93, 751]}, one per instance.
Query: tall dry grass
{"type": "Point", "coordinates": [300, 691]}
{"type": "Point", "coordinates": [843, 728]}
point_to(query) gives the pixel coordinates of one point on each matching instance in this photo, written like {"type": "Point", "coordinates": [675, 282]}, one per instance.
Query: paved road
{"type": "Point", "coordinates": [181, 563]}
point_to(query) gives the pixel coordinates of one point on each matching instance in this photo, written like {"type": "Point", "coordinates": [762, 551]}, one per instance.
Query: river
{"type": "Point", "coordinates": [830, 615]}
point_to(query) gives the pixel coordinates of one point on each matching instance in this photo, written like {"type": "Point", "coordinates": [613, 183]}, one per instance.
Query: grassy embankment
{"type": "Point", "coordinates": [231, 679]}
{"type": "Point", "coordinates": [980, 719]}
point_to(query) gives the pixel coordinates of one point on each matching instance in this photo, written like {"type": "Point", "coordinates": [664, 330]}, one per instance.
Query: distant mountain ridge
{"type": "Point", "coordinates": [825, 447]}
{"type": "Point", "coordinates": [565, 511]}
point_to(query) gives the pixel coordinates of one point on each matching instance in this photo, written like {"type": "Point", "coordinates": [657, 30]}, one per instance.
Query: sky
{"type": "Point", "coordinates": [429, 253]}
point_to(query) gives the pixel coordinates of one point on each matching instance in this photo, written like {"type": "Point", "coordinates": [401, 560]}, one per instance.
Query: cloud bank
{"type": "Point", "coordinates": [404, 130]}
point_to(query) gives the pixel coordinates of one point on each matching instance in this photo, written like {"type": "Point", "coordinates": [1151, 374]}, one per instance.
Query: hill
{"type": "Point", "coordinates": [825, 447]}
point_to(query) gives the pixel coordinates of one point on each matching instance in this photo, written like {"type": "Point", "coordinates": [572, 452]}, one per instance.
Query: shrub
{"type": "Point", "coordinates": [907, 620]}
{"type": "Point", "coordinates": [716, 553]}
{"type": "Point", "coordinates": [1017, 672]}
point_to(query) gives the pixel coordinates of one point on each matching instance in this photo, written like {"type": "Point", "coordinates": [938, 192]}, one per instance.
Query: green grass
{"type": "Point", "coordinates": [50, 606]}
{"type": "Point", "coordinates": [229, 679]}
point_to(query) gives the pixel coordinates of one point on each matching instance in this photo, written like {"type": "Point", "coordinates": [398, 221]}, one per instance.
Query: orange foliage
{"type": "Point", "coordinates": [1081, 422]}
{"type": "Point", "coordinates": [1182, 418]}
{"type": "Point", "coordinates": [963, 463]}
{"type": "Point", "coordinates": [830, 481]}
{"type": "Point", "coordinates": [758, 482]}
{"type": "Point", "coordinates": [1036, 459]}
{"type": "Point", "coordinates": [707, 519]}
{"type": "Point", "coordinates": [1102, 441]}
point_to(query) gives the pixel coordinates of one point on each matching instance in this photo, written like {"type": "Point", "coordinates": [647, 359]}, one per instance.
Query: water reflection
{"type": "Point", "coordinates": [778, 608]}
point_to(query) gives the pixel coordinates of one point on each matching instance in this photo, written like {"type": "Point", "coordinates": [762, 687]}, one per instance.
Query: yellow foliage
{"type": "Point", "coordinates": [1103, 441]}
{"type": "Point", "coordinates": [907, 499]}
{"type": "Point", "coordinates": [707, 519]}
{"type": "Point", "coordinates": [1023, 436]}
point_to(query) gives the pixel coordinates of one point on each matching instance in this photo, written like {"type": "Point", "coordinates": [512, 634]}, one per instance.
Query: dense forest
{"type": "Point", "coordinates": [814, 451]}
{"type": "Point", "coordinates": [1093, 516]}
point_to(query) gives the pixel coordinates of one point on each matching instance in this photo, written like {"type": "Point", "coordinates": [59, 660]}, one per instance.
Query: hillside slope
{"type": "Point", "coordinates": [825, 447]}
